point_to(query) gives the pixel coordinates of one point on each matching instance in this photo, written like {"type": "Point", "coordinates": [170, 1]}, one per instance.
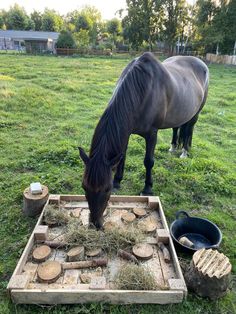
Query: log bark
{"type": "Point", "coordinates": [85, 264]}
{"type": "Point", "coordinates": [33, 203]}
{"type": "Point", "coordinates": [209, 274]}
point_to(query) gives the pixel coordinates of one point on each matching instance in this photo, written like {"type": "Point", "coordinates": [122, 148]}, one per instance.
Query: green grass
{"type": "Point", "coordinates": [49, 106]}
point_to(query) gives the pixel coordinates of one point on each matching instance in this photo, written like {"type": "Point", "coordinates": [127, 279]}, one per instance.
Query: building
{"type": "Point", "coordinates": [29, 41]}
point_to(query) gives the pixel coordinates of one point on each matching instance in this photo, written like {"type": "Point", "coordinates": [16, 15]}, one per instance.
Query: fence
{"type": "Point", "coordinates": [224, 59]}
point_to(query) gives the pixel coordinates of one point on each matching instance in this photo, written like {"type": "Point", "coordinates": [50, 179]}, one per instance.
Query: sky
{"type": "Point", "coordinates": [106, 7]}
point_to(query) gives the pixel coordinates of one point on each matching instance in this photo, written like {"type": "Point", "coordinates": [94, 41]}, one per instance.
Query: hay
{"type": "Point", "coordinates": [135, 277]}
{"type": "Point", "coordinates": [53, 215]}
{"type": "Point", "coordinates": [108, 240]}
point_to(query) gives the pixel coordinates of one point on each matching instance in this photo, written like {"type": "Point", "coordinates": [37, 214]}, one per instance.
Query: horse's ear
{"type": "Point", "coordinates": [114, 161]}
{"type": "Point", "coordinates": [83, 155]}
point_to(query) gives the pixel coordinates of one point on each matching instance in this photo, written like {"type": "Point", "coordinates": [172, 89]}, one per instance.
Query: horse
{"type": "Point", "coordinates": [148, 96]}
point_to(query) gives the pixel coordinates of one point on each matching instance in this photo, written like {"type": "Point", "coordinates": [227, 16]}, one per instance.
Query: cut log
{"type": "Point", "coordinates": [185, 241]}
{"type": "Point", "coordinates": [128, 217]}
{"type": "Point", "coordinates": [143, 251]}
{"type": "Point", "coordinates": [165, 252]}
{"type": "Point", "coordinates": [55, 244]}
{"type": "Point", "coordinates": [139, 212]}
{"type": "Point", "coordinates": [86, 264]}
{"type": "Point", "coordinates": [49, 271]}
{"type": "Point", "coordinates": [209, 273]}
{"type": "Point", "coordinates": [41, 253]}
{"type": "Point", "coordinates": [128, 256]}
{"type": "Point", "coordinates": [109, 225]}
{"type": "Point", "coordinates": [85, 278]}
{"type": "Point", "coordinates": [33, 203]}
{"type": "Point", "coordinates": [147, 224]}
{"type": "Point", "coordinates": [75, 254]}
{"type": "Point", "coordinates": [76, 212]}
{"type": "Point", "coordinates": [94, 252]}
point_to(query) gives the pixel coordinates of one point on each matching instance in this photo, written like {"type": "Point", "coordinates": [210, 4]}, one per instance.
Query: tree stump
{"type": "Point", "coordinates": [41, 253]}
{"type": "Point", "coordinates": [49, 271]}
{"type": "Point", "coordinates": [143, 251]}
{"type": "Point", "coordinates": [209, 274]}
{"type": "Point", "coordinates": [33, 203]}
{"type": "Point", "coordinates": [75, 254]}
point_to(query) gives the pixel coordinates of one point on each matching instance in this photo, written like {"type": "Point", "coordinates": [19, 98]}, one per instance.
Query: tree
{"type": "Point", "coordinates": [175, 20]}
{"type": "Point", "coordinates": [65, 40]}
{"type": "Point", "coordinates": [114, 28]}
{"type": "Point", "coordinates": [51, 21]}
{"type": "Point", "coordinates": [82, 38]}
{"type": "Point", "coordinates": [88, 19]}
{"type": "Point", "coordinates": [36, 17]}
{"type": "Point", "coordinates": [16, 18]}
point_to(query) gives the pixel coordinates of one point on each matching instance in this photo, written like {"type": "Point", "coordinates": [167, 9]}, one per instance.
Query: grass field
{"type": "Point", "coordinates": [49, 106]}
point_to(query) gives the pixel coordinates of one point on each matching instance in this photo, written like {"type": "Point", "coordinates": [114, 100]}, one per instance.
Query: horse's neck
{"type": "Point", "coordinates": [111, 135]}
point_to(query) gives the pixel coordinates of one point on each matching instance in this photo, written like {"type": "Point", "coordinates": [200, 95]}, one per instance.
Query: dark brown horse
{"type": "Point", "coordinates": [149, 96]}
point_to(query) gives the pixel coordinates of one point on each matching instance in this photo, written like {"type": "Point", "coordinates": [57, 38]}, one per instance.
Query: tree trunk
{"type": "Point", "coordinates": [209, 274]}
{"type": "Point", "coordinates": [33, 203]}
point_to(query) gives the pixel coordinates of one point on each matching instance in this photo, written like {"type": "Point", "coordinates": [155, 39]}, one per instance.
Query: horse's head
{"type": "Point", "coordinates": [97, 184]}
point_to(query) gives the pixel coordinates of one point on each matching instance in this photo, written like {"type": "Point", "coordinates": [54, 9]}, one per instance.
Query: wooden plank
{"type": "Point", "coordinates": [71, 276]}
{"type": "Point", "coordinates": [54, 199]}
{"type": "Point", "coordinates": [172, 249]}
{"type": "Point", "coordinates": [30, 269]}
{"type": "Point", "coordinates": [58, 288]}
{"type": "Point", "coordinates": [126, 198]}
{"type": "Point", "coordinates": [19, 281]}
{"type": "Point", "coordinates": [176, 284]}
{"type": "Point", "coordinates": [68, 296]}
{"type": "Point", "coordinates": [163, 236]}
{"type": "Point", "coordinates": [72, 198]}
{"type": "Point", "coordinates": [41, 233]}
{"type": "Point", "coordinates": [84, 217]}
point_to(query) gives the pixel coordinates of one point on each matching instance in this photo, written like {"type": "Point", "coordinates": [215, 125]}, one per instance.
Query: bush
{"type": "Point", "coordinates": [65, 40]}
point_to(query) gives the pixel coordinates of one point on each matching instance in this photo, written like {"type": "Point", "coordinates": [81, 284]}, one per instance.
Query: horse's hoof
{"type": "Point", "coordinates": [184, 154]}
{"type": "Point", "coordinates": [172, 149]}
{"type": "Point", "coordinates": [149, 193]}
{"type": "Point", "coordinates": [114, 190]}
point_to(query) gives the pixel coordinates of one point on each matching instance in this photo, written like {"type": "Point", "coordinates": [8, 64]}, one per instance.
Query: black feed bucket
{"type": "Point", "coordinates": [202, 232]}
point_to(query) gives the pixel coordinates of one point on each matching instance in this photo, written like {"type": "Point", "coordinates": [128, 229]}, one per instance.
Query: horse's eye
{"type": "Point", "coordinates": [107, 190]}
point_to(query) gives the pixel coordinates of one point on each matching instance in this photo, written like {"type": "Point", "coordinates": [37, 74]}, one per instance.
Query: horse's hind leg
{"type": "Point", "coordinates": [151, 140]}
{"type": "Point", "coordinates": [174, 140]}
{"type": "Point", "coordinates": [188, 135]}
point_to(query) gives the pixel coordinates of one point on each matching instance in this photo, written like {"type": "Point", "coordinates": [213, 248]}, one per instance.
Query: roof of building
{"type": "Point", "coordinates": [30, 35]}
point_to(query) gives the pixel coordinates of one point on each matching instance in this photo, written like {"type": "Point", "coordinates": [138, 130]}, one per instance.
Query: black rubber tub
{"type": "Point", "coordinates": [202, 232]}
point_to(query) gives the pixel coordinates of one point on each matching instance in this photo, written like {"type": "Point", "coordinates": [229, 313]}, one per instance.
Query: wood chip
{"type": "Point", "coordinates": [85, 278]}
{"type": "Point", "coordinates": [76, 212]}
{"type": "Point", "coordinates": [109, 225]}
{"type": "Point", "coordinates": [128, 217]}
{"type": "Point", "coordinates": [75, 254]}
{"type": "Point", "coordinates": [147, 225]}
{"type": "Point", "coordinates": [143, 251]}
{"type": "Point", "coordinates": [94, 252]}
{"type": "Point", "coordinates": [41, 253]}
{"type": "Point", "coordinates": [139, 212]}
{"type": "Point", "coordinates": [98, 283]}
{"type": "Point", "coordinates": [49, 271]}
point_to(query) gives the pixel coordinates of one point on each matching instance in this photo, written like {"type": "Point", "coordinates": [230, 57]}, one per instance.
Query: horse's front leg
{"type": "Point", "coordinates": [118, 174]}
{"type": "Point", "coordinates": [151, 140]}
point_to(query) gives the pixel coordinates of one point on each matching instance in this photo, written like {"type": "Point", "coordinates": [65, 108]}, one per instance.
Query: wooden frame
{"type": "Point", "coordinates": [21, 292]}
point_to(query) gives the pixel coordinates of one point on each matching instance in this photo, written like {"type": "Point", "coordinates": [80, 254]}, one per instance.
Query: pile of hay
{"type": "Point", "coordinates": [135, 277]}
{"type": "Point", "coordinates": [53, 215]}
{"type": "Point", "coordinates": [109, 240]}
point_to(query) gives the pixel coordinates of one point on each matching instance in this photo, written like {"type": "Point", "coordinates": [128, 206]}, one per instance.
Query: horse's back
{"type": "Point", "coordinates": [186, 64]}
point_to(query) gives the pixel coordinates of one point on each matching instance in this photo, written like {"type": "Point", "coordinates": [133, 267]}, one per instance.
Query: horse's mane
{"type": "Point", "coordinates": [117, 120]}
